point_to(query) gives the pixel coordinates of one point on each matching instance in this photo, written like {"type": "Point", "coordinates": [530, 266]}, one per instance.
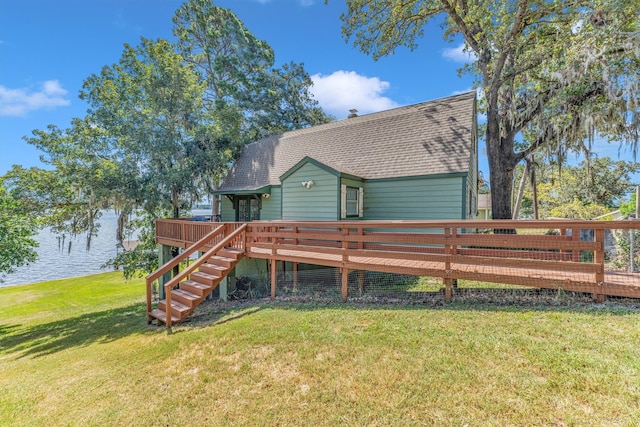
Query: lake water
{"type": "Point", "coordinates": [55, 262]}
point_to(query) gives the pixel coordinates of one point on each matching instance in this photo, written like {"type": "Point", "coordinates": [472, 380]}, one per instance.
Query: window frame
{"type": "Point", "coordinates": [356, 202]}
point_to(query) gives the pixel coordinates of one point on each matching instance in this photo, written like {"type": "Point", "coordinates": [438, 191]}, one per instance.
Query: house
{"type": "Point", "coordinates": [414, 162]}
{"type": "Point", "coordinates": [484, 206]}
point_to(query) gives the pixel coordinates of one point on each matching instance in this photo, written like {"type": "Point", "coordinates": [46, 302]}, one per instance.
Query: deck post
{"type": "Point", "coordinates": [274, 240]}
{"type": "Point", "coordinates": [295, 264]}
{"type": "Point", "coordinates": [344, 273]}
{"type": "Point", "coordinates": [274, 277]}
{"type": "Point", "coordinates": [360, 232]}
{"type": "Point", "coordinates": [345, 244]}
{"type": "Point", "coordinates": [565, 252]}
{"type": "Point", "coordinates": [447, 280]}
{"type": "Point", "coordinates": [454, 252]}
{"type": "Point", "coordinates": [448, 289]}
{"type": "Point", "coordinates": [598, 259]}
{"type": "Point", "coordinates": [575, 236]}
{"type": "Point", "coordinates": [164, 256]}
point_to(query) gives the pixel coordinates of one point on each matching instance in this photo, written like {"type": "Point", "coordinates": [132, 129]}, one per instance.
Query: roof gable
{"type": "Point", "coordinates": [337, 170]}
{"type": "Point", "coordinates": [434, 137]}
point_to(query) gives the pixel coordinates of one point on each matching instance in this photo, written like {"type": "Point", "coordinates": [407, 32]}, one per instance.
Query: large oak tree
{"type": "Point", "coordinates": [562, 70]}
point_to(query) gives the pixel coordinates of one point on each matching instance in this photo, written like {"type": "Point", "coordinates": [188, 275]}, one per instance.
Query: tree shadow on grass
{"type": "Point", "coordinates": [96, 327]}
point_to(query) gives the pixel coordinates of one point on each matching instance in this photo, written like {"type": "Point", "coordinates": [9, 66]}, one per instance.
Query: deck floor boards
{"type": "Point", "coordinates": [615, 283]}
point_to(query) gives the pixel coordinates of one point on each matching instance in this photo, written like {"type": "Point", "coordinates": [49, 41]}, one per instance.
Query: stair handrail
{"type": "Point", "coordinates": [166, 267]}
{"type": "Point", "coordinates": [194, 265]}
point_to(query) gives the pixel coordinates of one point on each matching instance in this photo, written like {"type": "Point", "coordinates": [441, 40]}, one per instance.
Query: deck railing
{"type": "Point", "coordinates": [183, 233]}
{"type": "Point", "coordinates": [584, 256]}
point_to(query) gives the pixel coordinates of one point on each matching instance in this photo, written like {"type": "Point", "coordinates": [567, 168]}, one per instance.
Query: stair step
{"type": "Point", "coordinates": [205, 278]}
{"type": "Point", "coordinates": [196, 288]}
{"type": "Point", "coordinates": [177, 308]}
{"type": "Point", "coordinates": [221, 260]}
{"type": "Point", "coordinates": [214, 270]}
{"type": "Point", "coordinates": [231, 253]}
{"type": "Point", "coordinates": [162, 316]}
{"type": "Point", "coordinates": [184, 297]}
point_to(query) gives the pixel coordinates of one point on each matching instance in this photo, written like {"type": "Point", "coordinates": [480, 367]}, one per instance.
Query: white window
{"type": "Point", "coordinates": [352, 202]}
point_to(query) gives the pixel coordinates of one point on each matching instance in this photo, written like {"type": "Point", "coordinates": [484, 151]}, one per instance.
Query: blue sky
{"type": "Point", "coordinates": [48, 48]}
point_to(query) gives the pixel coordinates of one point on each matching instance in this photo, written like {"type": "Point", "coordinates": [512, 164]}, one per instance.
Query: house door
{"type": "Point", "coordinates": [248, 209]}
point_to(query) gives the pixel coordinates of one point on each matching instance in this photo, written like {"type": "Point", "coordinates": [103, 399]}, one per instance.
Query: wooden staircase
{"type": "Point", "coordinates": [192, 291]}
{"type": "Point", "coordinates": [185, 291]}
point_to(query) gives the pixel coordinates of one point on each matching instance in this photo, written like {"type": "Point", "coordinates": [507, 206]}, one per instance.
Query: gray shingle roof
{"type": "Point", "coordinates": [429, 138]}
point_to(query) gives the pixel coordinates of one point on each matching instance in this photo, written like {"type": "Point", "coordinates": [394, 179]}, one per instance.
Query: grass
{"type": "Point", "coordinates": [78, 352]}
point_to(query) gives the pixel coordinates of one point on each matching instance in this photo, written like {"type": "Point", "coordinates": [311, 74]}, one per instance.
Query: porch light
{"type": "Point", "coordinates": [266, 195]}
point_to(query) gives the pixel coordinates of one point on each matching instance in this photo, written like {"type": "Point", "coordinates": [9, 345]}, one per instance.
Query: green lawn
{"type": "Point", "coordinates": [79, 352]}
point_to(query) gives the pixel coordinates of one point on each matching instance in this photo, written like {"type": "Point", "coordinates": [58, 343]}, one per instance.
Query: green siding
{"type": "Point", "coordinates": [269, 210]}
{"type": "Point", "coordinates": [271, 207]}
{"type": "Point", "coordinates": [319, 202]}
{"type": "Point", "coordinates": [227, 213]}
{"type": "Point", "coordinates": [352, 183]}
{"type": "Point", "coordinates": [420, 199]}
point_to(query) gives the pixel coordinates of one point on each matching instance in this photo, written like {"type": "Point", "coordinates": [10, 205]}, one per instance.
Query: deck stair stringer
{"type": "Point", "coordinates": [186, 291]}
{"type": "Point", "coordinates": [191, 292]}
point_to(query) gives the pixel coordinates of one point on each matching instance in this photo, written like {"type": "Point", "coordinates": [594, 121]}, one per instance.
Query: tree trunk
{"type": "Point", "coordinates": [523, 180]}
{"type": "Point", "coordinates": [534, 189]}
{"type": "Point", "coordinates": [216, 207]}
{"type": "Point", "coordinates": [175, 251]}
{"type": "Point", "coordinates": [501, 166]}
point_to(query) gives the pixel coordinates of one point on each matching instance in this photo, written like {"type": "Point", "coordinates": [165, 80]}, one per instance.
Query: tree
{"type": "Point", "coordinates": [150, 107]}
{"type": "Point", "coordinates": [17, 228]}
{"type": "Point", "coordinates": [224, 52]}
{"type": "Point", "coordinates": [163, 126]}
{"type": "Point", "coordinates": [584, 191]}
{"type": "Point", "coordinates": [629, 207]}
{"type": "Point", "coordinates": [81, 180]}
{"type": "Point", "coordinates": [283, 103]}
{"type": "Point", "coordinates": [238, 69]}
{"type": "Point", "coordinates": [560, 70]}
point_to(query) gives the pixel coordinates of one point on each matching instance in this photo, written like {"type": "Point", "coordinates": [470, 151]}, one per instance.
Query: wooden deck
{"type": "Point", "coordinates": [451, 250]}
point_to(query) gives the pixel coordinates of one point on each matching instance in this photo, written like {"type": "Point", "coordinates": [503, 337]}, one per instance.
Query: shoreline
{"type": "Point", "coordinates": [10, 285]}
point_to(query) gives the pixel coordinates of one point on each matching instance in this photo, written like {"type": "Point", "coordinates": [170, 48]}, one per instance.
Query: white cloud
{"type": "Point", "coordinates": [341, 91]}
{"type": "Point", "coordinates": [458, 54]}
{"type": "Point", "coordinates": [18, 102]}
